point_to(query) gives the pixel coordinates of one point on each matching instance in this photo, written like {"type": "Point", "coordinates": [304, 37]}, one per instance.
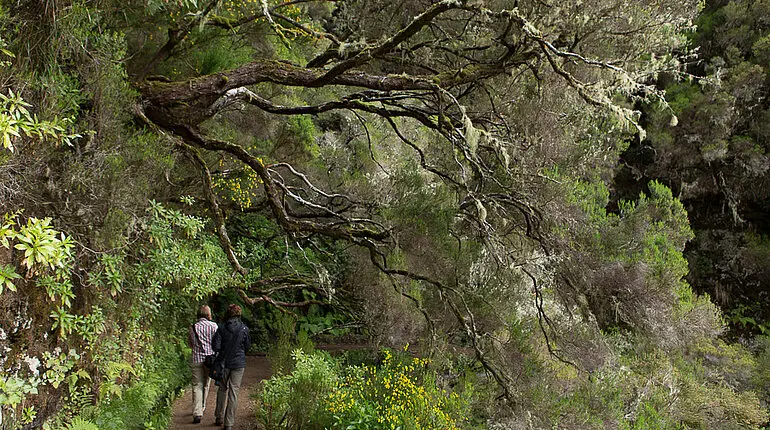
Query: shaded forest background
{"type": "Point", "coordinates": [562, 208]}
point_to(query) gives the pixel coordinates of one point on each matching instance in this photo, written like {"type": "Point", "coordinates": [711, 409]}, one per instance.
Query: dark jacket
{"type": "Point", "coordinates": [226, 335]}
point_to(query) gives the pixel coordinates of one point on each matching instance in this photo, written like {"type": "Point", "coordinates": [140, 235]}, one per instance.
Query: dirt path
{"type": "Point", "coordinates": [257, 369]}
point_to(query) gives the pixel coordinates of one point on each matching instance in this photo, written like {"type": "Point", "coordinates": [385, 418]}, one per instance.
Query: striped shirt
{"type": "Point", "coordinates": [205, 330]}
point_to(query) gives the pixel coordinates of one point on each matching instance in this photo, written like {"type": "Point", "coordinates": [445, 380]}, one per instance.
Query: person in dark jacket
{"type": "Point", "coordinates": [231, 341]}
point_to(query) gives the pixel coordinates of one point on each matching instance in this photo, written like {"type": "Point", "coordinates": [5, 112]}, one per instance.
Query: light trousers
{"type": "Point", "coordinates": [228, 395]}
{"type": "Point", "coordinates": [200, 386]}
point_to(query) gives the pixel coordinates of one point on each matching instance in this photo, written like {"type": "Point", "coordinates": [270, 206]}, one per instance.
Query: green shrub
{"type": "Point", "coordinates": [297, 400]}
{"type": "Point", "coordinates": [282, 351]}
{"type": "Point", "coordinates": [710, 388]}
{"type": "Point", "coordinates": [147, 403]}
{"type": "Point", "coordinates": [400, 393]}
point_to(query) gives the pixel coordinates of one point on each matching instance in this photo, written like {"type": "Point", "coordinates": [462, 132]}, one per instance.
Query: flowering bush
{"type": "Point", "coordinates": [400, 393]}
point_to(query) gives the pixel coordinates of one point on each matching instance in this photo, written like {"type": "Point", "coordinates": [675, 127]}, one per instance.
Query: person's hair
{"type": "Point", "coordinates": [233, 311]}
{"type": "Point", "coordinates": [204, 312]}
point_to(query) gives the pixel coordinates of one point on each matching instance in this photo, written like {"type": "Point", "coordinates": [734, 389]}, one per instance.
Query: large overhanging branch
{"type": "Point", "coordinates": [375, 102]}
{"type": "Point", "coordinates": [171, 104]}
{"type": "Point", "coordinates": [353, 230]}
{"type": "Point", "coordinates": [518, 41]}
{"type": "Point", "coordinates": [388, 45]}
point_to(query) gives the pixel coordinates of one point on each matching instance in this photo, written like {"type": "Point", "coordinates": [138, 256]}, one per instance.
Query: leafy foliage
{"type": "Point", "coordinates": [399, 393]}
{"type": "Point", "coordinates": [182, 256]}
{"type": "Point", "coordinates": [7, 275]}
{"type": "Point", "coordinates": [16, 120]}
{"type": "Point", "coordinates": [37, 239]}
{"type": "Point", "coordinates": [295, 400]}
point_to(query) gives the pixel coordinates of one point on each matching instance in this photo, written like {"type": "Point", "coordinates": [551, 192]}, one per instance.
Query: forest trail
{"type": "Point", "coordinates": [257, 369]}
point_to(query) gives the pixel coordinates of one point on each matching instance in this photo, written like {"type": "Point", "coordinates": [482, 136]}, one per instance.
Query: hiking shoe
{"type": "Point", "coordinates": [196, 420]}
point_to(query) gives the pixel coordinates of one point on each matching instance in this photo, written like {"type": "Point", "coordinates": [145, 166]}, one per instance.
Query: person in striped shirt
{"type": "Point", "coordinates": [201, 334]}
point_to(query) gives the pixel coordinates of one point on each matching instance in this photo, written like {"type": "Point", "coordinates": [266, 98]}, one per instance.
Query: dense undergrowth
{"type": "Point", "coordinates": [146, 402]}
{"type": "Point", "coordinates": [399, 391]}
{"type": "Point", "coordinates": [714, 386]}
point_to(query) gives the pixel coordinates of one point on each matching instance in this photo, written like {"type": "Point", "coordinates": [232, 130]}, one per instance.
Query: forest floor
{"type": "Point", "coordinates": [257, 369]}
